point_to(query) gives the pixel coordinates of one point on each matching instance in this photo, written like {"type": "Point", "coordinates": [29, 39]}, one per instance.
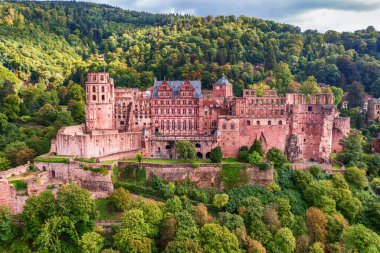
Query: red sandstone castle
{"type": "Point", "coordinates": [121, 122]}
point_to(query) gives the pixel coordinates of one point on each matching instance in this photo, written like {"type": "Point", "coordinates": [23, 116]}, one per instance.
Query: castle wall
{"type": "Point", "coordinates": [206, 176]}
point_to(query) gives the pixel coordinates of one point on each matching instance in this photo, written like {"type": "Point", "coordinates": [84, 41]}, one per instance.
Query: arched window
{"type": "Point", "coordinates": [224, 126]}
{"type": "Point", "coordinates": [195, 125]}
{"type": "Point", "coordinates": [258, 122]}
{"type": "Point", "coordinates": [167, 125]}
{"type": "Point", "coordinates": [184, 125]}
{"type": "Point", "coordinates": [232, 126]}
{"type": "Point", "coordinates": [269, 122]}
{"type": "Point", "coordinates": [93, 89]}
{"type": "Point", "coordinates": [162, 125]}
{"type": "Point", "coordinates": [190, 125]}
{"type": "Point", "coordinates": [179, 125]}
{"type": "Point", "coordinates": [197, 145]}
{"type": "Point", "coordinates": [248, 123]}
{"type": "Point", "coordinates": [173, 125]}
{"type": "Point", "coordinates": [280, 122]}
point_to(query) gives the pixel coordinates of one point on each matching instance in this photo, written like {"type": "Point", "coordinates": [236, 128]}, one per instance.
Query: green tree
{"type": "Point", "coordinates": [91, 242]}
{"type": "Point", "coordinates": [353, 148]}
{"type": "Point", "coordinates": [183, 247]}
{"type": "Point", "coordinates": [4, 163]}
{"type": "Point", "coordinates": [220, 200]}
{"type": "Point", "coordinates": [58, 234]}
{"type": "Point", "coordinates": [216, 155]}
{"type": "Point", "coordinates": [277, 157]}
{"type": "Point", "coordinates": [316, 222]}
{"type": "Point", "coordinates": [283, 241]}
{"type": "Point", "coordinates": [11, 106]}
{"type": "Point", "coordinates": [258, 147]}
{"type": "Point", "coordinates": [186, 227]}
{"type": "Point", "coordinates": [356, 177]}
{"type": "Point", "coordinates": [215, 238]}
{"type": "Point", "coordinates": [310, 86]}
{"type": "Point", "coordinates": [120, 199]}
{"type": "Point", "coordinates": [358, 238]}
{"type": "Point", "coordinates": [12, 149]}
{"type": "Point", "coordinates": [254, 158]}
{"type": "Point", "coordinates": [6, 226]}
{"type": "Point", "coordinates": [283, 77]}
{"type": "Point", "coordinates": [355, 96]}
{"type": "Point", "coordinates": [270, 59]}
{"type": "Point", "coordinates": [185, 150]}
{"type": "Point", "coordinates": [338, 95]}
{"type": "Point", "coordinates": [317, 248]}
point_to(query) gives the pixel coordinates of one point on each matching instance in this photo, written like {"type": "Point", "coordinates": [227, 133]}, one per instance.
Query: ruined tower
{"type": "Point", "coordinates": [99, 102]}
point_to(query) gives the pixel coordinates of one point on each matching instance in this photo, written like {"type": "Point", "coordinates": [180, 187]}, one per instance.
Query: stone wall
{"type": "Point", "coordinates": [14, 171]}
{"type": "Point", "coordinates": [206, 176]}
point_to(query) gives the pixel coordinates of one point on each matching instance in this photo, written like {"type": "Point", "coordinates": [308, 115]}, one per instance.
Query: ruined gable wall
{"type": "Point", "coordinates": [340, 130]}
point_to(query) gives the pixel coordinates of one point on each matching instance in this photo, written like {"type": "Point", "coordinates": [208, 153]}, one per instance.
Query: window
{"type": "Point", "coordinates": [258, 122]}
{"type": "Point", "coordinates": [173, 111]}
{"type": "Point", "coordinates": [206, 112]}
{"type": "Point", "coordinates": [162, 125]}
{"type": "Point", "coordinates": [179, 125]}
{"type": "Point", "coordinates": [310, 109]}
{"type": "Point", "coordinates": [213, 124]}
{"type": "Point", "coordinates": [103, 97]}
{"type": "Point", "coordinates": [93, 97]}
{"type": "Point", "coordinates": [224, 126]}
{"type": "Point", "coordinates": [269, 122]}
{"type": "Point", "coordinates": [93, 89]}
{"type": "Point", "coordinates": [184, 111]}
{"type": "Point", "coordinates": [198, 145]}
{"type": "Point", "coordinates": [122, 123]}
{"type": "Point", "coordinates": [196, 125]}
{"type": "Point", "coordinates": [173, 125]}
{"type": "Point", "coordinates": [179, 111]}
{"type": "Point", "coordinates": [190, 125]}
{"type": "Point", "coordinates": [280, 122]}
{"type": "Point", "coordinates": [248, 123]}
{"type": "Point", "coordinates": [184, 125]}
{"type": "Point", "coordinates": [102, 88]}
{"type": "Point", "coordinates": [232, 126]}
{"type": "Point", "coordinates": [167, 125]}
{"type": "Point", "coordinates": [101, 78]}
{"type": "Point", "coordinates": [184, 102]}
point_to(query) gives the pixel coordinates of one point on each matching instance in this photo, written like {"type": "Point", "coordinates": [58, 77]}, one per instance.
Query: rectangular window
{"type": "Point", "coordinates": [93, 97]}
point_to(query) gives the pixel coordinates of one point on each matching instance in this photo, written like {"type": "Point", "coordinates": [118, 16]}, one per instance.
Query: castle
{"type": "Point", "coordinates": [121, 122]}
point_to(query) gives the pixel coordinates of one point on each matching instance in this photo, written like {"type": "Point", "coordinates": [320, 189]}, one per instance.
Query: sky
{"type": "Point", "coordinates": [323, 15]}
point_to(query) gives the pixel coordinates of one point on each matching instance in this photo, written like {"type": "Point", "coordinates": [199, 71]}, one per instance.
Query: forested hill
{"type": "Point", "coordinates": [139, 46]}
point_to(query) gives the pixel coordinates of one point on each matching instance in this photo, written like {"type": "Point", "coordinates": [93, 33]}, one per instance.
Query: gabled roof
{"type": "Point", "coordinates": [222, 81]}
{"type": "Point", "coordinates": [176, 88]}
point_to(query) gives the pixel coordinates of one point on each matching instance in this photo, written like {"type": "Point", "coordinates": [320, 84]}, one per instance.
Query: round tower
{"type": "Point", "coordinates": [99, 102]}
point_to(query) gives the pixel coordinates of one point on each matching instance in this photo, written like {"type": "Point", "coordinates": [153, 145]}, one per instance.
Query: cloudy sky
{"type": "Point", "coordinates": [339, 15]}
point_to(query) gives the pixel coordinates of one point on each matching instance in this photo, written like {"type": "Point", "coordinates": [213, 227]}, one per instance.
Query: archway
{"type": "Point", "coordinates": [53, 174]}
{"type": "Point", "coordinates": [208, 155]}
{"type": "Point", "coordinates": [168, 147]}
{"type": "Point", "coordinates": [199, 155]}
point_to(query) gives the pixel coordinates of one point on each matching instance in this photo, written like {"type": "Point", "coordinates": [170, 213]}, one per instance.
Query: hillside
{"type": "Point", "coordinates": [139, 46]}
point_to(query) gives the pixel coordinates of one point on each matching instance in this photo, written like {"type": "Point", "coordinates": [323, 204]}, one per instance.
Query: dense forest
{"type": "Point", "coordinates": [46, 50]}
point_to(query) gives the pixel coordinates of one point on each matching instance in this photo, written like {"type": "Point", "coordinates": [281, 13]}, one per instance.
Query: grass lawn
{"type": "Point", "coordinates": [104, 211]}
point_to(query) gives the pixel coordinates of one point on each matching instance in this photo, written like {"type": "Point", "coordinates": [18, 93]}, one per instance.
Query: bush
{"type": "Point", "coordinates": [255, 158]}
{"type": "Point", "coordinates": [164, 189]}
{"type": "Point", "coordinates": [120, 199]}
{"type": "Point", "coordinates": [19, 184]}
{"type": "Point", "coordinates": [315, 171]}
{"type": "Point", "coordinates": [220, 200]}
{"type": "Point", "coordinates": [258, 147]}
{"type": "Point", "coordinates": [243, 154]}
{"type": "Point", "coordinates": [216, 155]}
{"type": "Point", "coordinates": [277, 157]}
{"type": "Point", "coordinates": [195, 165]}
{"type": "Point", "coordinates": [52, 160]}
{"type": "Point", "coordinates": [139, 157]}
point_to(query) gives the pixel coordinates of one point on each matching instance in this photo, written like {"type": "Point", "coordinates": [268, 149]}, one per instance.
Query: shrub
{"type": "Point", "coordinates": [277, 157]}
{"type": "Point", "coordinates": [258, 147]}
{"type": "Point", "coordinates": [220, 200]}
{"type": "Point", "coordinates": [255, 158]}
{"type": "Point", "coordinates": [139, 157]}
{"type": "Point", "coordinates": [243, 154]}
{"type": "Point", "coordinates": [120, 199]}
{"type": "Point", "coordinates": [164, 189]}
{"type": "Point", "coordinates": [195, 165]}
{"type": "Point", "coordinates": [216, 155]}
{"type": "Point", "coordinates": [315, 171]}
{"type": "Point", "coordinates": [264, 166]}
{"type": "Point", "coordinates": [52, 160]}
{"type": "Point", "coordinates": [19, 184]}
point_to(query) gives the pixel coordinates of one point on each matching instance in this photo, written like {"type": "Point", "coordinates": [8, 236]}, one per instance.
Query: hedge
{"type": "Point", "coordinates": [86, 160]}
{"type": "Point", "coordinates": [52, 160]}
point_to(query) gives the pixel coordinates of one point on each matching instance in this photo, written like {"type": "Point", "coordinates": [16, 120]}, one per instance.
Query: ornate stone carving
{"type": "Point", "coordinates": [293, 150]}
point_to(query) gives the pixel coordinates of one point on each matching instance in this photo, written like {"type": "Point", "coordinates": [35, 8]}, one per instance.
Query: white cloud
{"type": "Point", "coordinates": [325, 19]}
{"type": "Point", "coordinates": [308, 14]}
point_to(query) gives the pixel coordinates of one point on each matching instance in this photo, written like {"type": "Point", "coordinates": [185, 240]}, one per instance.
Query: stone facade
{"type": "Point", "coordinates": [373, 112]}
{"type": "Point", "coordinates": [124, 120]}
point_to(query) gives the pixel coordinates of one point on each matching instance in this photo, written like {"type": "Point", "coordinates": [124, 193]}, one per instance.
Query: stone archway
{"type": "Point", "coordinates": [199, 155]}
{"type": "Point", "coordinates": [208, 155]}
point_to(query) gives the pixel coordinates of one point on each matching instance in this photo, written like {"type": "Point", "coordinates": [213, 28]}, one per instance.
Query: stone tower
{"type": "Point", "coordinates": [100, 101]}
{"type": "Point", "coordinates": [222, 88]}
